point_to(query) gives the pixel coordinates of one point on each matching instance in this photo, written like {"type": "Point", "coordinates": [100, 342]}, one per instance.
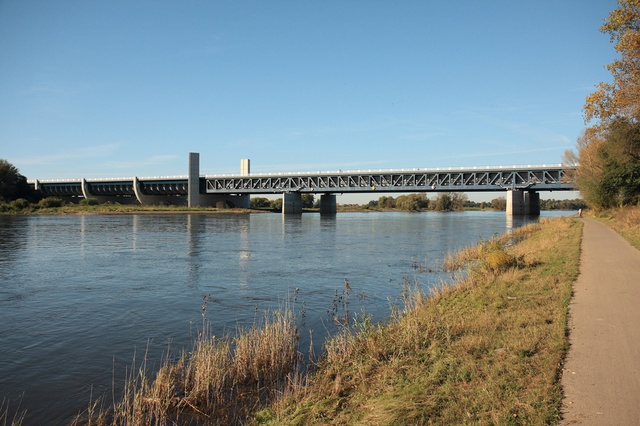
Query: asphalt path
{"type": "Point", "coordinates": [601, 376]}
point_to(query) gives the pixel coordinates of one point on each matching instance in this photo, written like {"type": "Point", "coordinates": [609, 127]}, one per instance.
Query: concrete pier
{"type": "Point", "coordinates": [521, 203]}
{"type": "Point", "coordinates": [291, 203]}
{"type": "Point", "coordinates": [328, 204]}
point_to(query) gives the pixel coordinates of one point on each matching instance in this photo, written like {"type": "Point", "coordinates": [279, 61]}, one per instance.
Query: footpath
{"type": "Point", "coordinates": [601, 377]}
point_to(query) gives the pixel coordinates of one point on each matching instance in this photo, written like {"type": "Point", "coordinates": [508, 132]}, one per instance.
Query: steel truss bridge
{"type": "Point", "coordinates": [537, 178]}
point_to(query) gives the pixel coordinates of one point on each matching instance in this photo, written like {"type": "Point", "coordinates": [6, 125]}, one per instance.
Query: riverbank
{"type": "Point", "coordinates": [492, 260]}
{"type": "Point", "coordinates": [489, 349]}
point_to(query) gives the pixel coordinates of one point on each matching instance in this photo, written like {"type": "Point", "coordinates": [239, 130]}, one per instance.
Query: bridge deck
{"type": "Point", "coordinates": [537, 178]}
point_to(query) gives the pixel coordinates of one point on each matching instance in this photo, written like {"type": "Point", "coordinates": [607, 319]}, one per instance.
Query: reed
{"type": "Point", "coordinates": [222, 380]}
{"type": "Point", "coordinates": [13, 417]}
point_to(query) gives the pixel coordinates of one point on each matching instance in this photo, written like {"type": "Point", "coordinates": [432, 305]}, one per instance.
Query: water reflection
{"type": "Point", "coordinates": [514, 222]}
{"type": "Point", "coordinates": [196, 228]}
{"type": "Point", "coordinates": [244, 252]}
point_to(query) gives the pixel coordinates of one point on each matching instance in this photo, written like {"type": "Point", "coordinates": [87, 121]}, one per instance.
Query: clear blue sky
{"type": "Point", "coordinates": [123, 88]}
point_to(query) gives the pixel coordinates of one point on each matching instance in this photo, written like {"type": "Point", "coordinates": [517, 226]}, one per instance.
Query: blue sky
{"type": "Point", "coordinates": [129, 88]}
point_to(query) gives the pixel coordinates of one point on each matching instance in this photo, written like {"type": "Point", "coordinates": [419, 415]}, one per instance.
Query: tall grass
{"type": "Point", "coordinates": [487, 349]}
{"type": "Point", "coordinates": [625, 221]}
{"type": "Point", "coordinates": [222, 380]}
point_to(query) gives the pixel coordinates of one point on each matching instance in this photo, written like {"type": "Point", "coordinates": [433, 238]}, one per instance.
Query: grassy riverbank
{"type": "Point", "coordinates": [488, 350]}
{"type": "Point", "coordinates": [625, 221]}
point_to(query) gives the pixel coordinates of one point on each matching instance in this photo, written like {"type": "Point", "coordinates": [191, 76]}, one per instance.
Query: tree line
{"type": "Point", "coordinates": [607, 153]}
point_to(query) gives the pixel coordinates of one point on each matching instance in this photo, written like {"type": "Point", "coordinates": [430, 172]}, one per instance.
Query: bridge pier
{"type": "Point", "coordinates": [532, 203]}
{"type": "Point", "coordinates": [193, 180]}
{"type": "Point", "coordinates": [521, 203]}
{"type": "Point", "coordinates": [292, 203]}
{"type": "Point", "coordinates": [328, 204]}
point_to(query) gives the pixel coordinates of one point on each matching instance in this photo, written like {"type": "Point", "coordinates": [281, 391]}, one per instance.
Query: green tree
{"type": "Point", "coordinates": [458, 201]}
{"type": "Point", "coordinates": [276, 204]}
{"type": "Point", "coordinates": [12, 184]}
{"type": "Point", "coordinates": [385, 202]}
{"type": "Point", "coordinates": [412, 202]}
{"type": "Point", "coordinates": [307, 200]}
{"type": "Point", "coordinates": [442, 203]}
{"type": "Point", "coordinates": [260, 202]}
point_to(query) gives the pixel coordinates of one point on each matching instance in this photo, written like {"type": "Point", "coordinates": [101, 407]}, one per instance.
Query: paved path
{"type": "Point", "coordinates": [601, 377]}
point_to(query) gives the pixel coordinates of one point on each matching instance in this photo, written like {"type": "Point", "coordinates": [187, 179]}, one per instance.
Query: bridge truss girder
{"type": "Point", "coordinates": [539, 179]}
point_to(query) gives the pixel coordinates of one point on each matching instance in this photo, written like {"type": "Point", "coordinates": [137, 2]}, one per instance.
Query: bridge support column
{"type": "Point", "coordinates": [532, 203]}
{"type": "Point", "coordinates": [515, 203]}
{"type": "Point", "coordinates": [520, 203]}
{"type": "Point", "coordinates": [292, 203]}
{"type": "Point", "coordinates": [193, 180]}
{"type": "Point", "coordinates": [328, 204]}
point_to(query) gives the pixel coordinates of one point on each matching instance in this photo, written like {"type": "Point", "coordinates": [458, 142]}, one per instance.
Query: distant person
{"type": "Point", "coordinates": [579, 212]}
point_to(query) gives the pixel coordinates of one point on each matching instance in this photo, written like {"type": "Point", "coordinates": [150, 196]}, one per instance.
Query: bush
{"type": "Point", "coordinates": [50, 202]}
{"type": "Point", "coordinates": [20, 204]}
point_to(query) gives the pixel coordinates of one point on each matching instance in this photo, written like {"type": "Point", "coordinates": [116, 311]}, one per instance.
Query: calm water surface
{"type": "Point", "coordinates": [81, 296]}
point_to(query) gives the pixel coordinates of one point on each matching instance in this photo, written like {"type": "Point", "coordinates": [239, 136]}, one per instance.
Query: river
{"type": "Point", "coordinates": [81, 296]}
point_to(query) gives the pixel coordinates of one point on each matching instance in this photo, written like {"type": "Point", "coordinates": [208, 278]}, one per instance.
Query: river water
{"type": "Point", "coordinates": [81, 296]}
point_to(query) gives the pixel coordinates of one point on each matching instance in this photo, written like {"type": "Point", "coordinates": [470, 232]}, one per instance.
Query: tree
{"type": "Point", "coordinates": [260, 202]}
{"type": "Point", "coordinates": [307, 201]}
{"type": "Point", "coordinates": [12, 184]}
{"type": "Point", "coordinates": [385, 202]}
{"type": "Point", "coordinates": [608, 152]}
{"type": "Point", "coordinates": [620, 98]}
{"type": "Point", "coordinates": [459, 200]}
{"type": "Point", "coordinates": [276, 204]}
{"type": "Point", "coordinates": [442, 203]}
{"type": "Point", "coordinates": [412, 202]}
{"type": "Point", "coordinates": [499, 203]}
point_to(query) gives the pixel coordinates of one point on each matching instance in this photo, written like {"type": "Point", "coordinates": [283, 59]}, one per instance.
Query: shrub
{"type": "Point", "coordinates": [20, 204]}
{"type": "Point", "coordinates": [50, 202]}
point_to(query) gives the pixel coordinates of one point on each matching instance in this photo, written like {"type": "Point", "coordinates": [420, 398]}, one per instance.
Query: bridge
{"type": "Point", "coordinates": [520, 183]}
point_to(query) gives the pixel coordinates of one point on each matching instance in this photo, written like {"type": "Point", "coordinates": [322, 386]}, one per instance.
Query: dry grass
{"type": "Point", "coordinates": [488, 350]}
{"type": "Point", "coordinates": [223, 380]}
{"type": "Point", "coordinates": [14, 417]}
{"type": "Point", "coordinates": [625, 221]}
